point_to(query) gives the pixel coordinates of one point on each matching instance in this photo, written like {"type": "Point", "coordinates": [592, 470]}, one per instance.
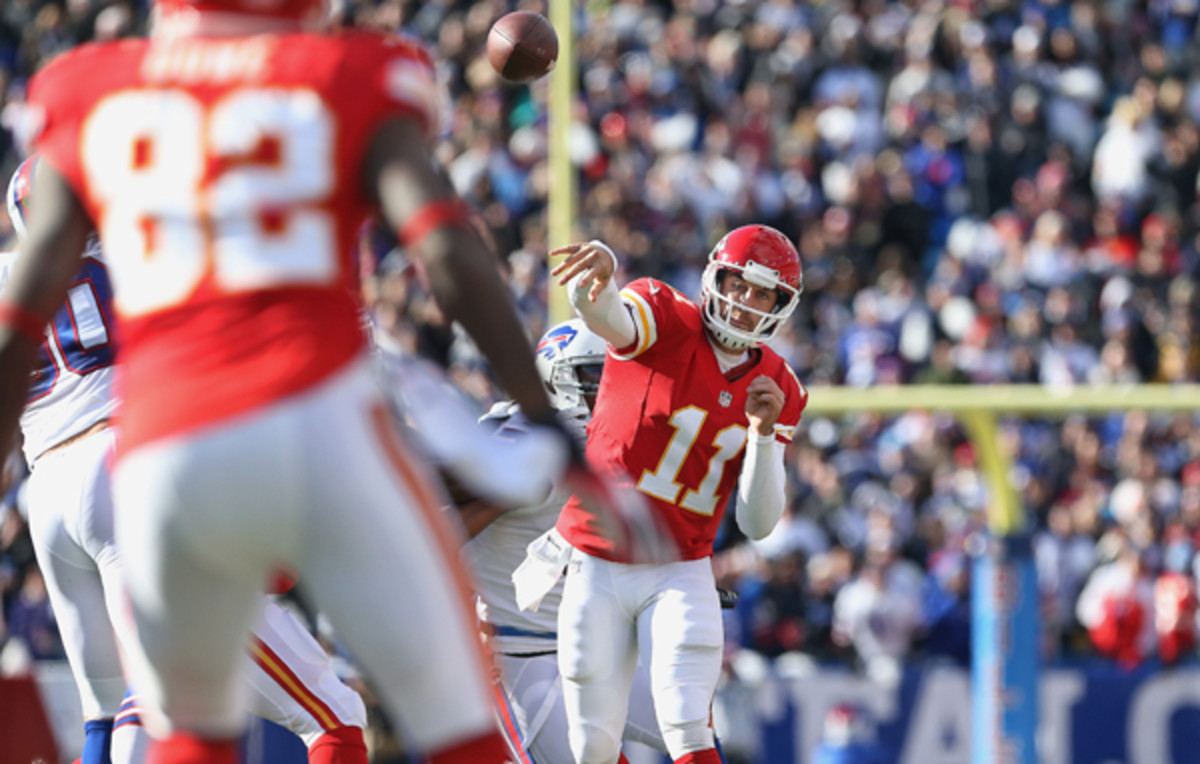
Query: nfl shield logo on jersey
{"type": "Point", "coordinates": [725, 398]}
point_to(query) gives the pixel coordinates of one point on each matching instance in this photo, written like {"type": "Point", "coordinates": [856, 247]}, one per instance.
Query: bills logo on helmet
{"type": "Point", "coordinates": [570, 358]}
{"type": "Point", "coordinates": [555, 340]}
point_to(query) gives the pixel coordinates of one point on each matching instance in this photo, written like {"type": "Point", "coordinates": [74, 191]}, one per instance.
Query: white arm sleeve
{"type": "Point", "coordinates": [607, 316]}
{"type": "Point", "coordinates": [761, 487]}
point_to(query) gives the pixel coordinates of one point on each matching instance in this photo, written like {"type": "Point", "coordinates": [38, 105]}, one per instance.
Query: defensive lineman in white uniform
{"type": "Point", "coordinates": [68, 443]}
{"type": "Point", "coordinates": [66, 439]}
{"type": "Point", "coordinates": [529, 698]}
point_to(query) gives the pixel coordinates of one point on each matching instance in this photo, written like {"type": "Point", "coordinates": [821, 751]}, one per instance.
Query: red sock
{"type": "Point", "coordinates": [707, 756]}
{"type": "Point", "coordinates": [623, 759]}
{"type": "Point", "coordinates": [181, 748]}
{"type": "Point", "coordinates": [486, 749]}
{"type": "Point", "coordinates": [342, 745]}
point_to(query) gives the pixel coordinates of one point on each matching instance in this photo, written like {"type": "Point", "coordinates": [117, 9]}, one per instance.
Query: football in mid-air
{"type": "Point", "coordinates": [522, 46]}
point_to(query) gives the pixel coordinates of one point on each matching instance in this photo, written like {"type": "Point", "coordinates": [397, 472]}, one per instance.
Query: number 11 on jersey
{"type": "Point", "coordinates": [663, 482]}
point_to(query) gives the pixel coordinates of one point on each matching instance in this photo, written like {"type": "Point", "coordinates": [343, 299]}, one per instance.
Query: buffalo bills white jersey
{"type": "Point", "coordinates": [71, 389]}
{"type": "Point", "coordinates": [497, 551]}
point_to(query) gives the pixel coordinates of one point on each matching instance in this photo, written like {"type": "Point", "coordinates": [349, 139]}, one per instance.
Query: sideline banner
{"type": "Point", "coordinates": [1088, 714]}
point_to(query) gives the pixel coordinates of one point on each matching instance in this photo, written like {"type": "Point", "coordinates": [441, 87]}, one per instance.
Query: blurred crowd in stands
{"type": "Point", "coordinates": [982, 191]}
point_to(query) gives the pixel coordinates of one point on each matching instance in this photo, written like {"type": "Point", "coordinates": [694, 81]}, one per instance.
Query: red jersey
{"type": "Point", "coordinates": [673, 423]}
{"type": "Point", "coordinates": [224, 176]}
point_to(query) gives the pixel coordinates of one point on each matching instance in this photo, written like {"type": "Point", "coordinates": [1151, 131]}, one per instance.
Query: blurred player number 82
{"type": "Point", "coordinates": [249, 251]}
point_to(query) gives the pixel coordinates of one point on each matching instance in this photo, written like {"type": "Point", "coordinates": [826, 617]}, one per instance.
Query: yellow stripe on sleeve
{"type": "Point", "coordinates": [643, 317]}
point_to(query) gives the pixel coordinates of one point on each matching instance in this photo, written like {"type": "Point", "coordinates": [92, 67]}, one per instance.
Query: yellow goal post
{"type": "Point", "coordinates": [978, 407]}
{"type": "Point", "coordinates": [562, 203]}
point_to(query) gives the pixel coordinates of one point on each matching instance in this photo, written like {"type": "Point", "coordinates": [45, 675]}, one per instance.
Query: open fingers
{"type": "Point", "coordinates": [597, 287]}
{"type": "Point", "coordinates": [573, 255]}
{"type": "Point", "coordinates": [570, 269]}
{"type": "Point", "coordinates": [569, 249]}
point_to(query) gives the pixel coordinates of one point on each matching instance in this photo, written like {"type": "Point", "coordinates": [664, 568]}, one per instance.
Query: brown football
{"type": "Point", "coordinates": [522, 46]}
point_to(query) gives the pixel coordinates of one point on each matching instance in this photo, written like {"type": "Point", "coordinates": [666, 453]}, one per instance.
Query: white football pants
{"type": "Point", "coordinates": [293, 681]}
{"type": "Point", "coordinates": [319, 483]}
{"type": "Point", "coordinates": [71, 525]}
{"type": "Point", "coordinates": [609, 613]}
{"type": "Point", "coordinates": [534, 717]}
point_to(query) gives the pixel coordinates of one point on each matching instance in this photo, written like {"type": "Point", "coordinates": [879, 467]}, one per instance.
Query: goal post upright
{"type": "Point", "coordinates": [561, 202]}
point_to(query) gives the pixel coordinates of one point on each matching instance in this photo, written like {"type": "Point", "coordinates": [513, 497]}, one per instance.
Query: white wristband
{"type": "Point", "coordinates": [576, 284]}
{"type": "Point", "coordinates": [608, 249]}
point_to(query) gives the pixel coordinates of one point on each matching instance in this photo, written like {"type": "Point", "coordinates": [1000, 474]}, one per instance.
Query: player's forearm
{"type": "Point", "coordinates": [607, 316]}
{"type": "Point", "coordinates": [432, 224]}
{"type": "Point", "coordinates": [17, 355]}
{"type": "Point", "coordinates": [761, 487]}
{"type": "Point", "coordinates": [466, 283]}
{"type": "Point", "coordinates": [50, 254]}
{"type": "Point", "coordinates": [36, 288]}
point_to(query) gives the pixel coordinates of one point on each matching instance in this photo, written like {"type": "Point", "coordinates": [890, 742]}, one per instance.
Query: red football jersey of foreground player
{"type": "Point", "coordinates": [684, 446]}
{"type": "Point", "coordinates": [224, 175]}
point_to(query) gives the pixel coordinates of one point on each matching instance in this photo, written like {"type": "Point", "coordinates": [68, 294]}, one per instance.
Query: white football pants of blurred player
{"type": "Point", "coordinates": [293, 681]}
{"type": "Point", "coordinates": [533, 703]}
{"type": "Point", "coordinates": [671, 613]}
{"type": "Point", "coordinates": [319, 483]}
{"type": "Point", "coordinates": [71, 525]}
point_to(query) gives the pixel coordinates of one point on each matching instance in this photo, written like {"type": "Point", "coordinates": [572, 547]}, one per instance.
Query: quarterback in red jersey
{"type": "Point", "coordinates": [691, 406]}
{"type": "Point", "coordinates": [228, 163]}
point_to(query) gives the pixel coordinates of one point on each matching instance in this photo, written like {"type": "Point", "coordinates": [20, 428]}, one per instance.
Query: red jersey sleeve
{"type": "Point", "coordinates": [655, 307]}
{"type": "Point", "coordinates": [57, 98]}
{"type": "Point", "coordinates": [400, 80]}
{"type": "Point", "coordinates": [794, 402]}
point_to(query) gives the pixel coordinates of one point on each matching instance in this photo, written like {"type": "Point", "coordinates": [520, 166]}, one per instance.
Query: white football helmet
{"type": "Point", "coordinates": [570, 357]}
